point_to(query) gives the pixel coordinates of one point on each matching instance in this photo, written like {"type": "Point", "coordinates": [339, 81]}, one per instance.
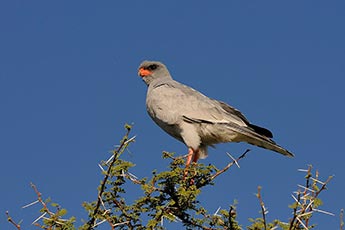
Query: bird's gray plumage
{"type": "Point", "coordinates": [196, 120]}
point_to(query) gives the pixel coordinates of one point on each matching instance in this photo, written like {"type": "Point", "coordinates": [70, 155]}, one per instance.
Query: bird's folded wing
{"type": "Point", "coordinates": [175, 100]}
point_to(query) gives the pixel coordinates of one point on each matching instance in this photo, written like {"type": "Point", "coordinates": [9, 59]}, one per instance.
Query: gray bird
{"type": "Point", "coordinates": [195, 119]}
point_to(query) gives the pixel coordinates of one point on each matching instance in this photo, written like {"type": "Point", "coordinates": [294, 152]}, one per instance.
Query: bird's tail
{"type": "Point", "coordinates": [254, 138]}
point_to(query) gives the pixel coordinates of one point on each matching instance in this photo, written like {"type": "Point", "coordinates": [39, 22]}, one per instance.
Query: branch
{"type": "Point", "coordinates": [9, 219]}
{"type": "Point", "coordinates": [123, 145]}
{"type": "Point", "coordinates": [229, 165]}
{"type": "Point", "coordinates": [232, 213]}
{"type": "Point", "coordinates": [124, 212]}
{"type": "Point", "coordinates": [295, 210]}
{"type": "Point", "coordinates": [263, 209]}
{"type": "Point", "coordinates": [305, 201]}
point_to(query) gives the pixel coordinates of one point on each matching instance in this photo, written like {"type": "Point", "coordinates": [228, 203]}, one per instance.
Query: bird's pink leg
{"type": "Point", "coordinates": [193, 155]}
{"type": "Point", "coordinates": [196, 156]}
{"type": "Point", "coordinates": [188, 161]}
{"type": "Point", "coordinates": [189, 157]}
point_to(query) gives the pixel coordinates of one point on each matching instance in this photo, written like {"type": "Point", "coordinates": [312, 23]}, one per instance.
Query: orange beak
{"type": "Point", "coordinates": [144, 72]}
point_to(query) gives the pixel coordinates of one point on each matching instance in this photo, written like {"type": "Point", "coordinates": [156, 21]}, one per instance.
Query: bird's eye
{"type": "Point", "coordinates": [152, 67]}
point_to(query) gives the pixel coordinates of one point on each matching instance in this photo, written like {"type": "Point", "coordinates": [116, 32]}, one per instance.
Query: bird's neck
{"type": "Point", "coordinates": [153, 82]}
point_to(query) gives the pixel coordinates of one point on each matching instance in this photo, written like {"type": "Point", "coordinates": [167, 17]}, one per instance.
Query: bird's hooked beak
{"type": "Point", "coordinates": [144, 72]}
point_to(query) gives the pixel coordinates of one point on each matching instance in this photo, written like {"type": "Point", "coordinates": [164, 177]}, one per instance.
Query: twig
{"type": "Point", "coordinates": [181, 215]}
{"type": "Point", "coordinates": [263, 209]}
{"type": "Point", "coordinates": [120, 206]}
{"type": "Point", "coordinates": [39, 197]}
{"type": "Point", "coordinates": [341, 219]}
{"type": "Point", "coordinates": [232, 212]}
{"type": "Point", "coordinates": [9, 219]}
{"type": "Point", "coordinates": [229, 165]}
{"type": "Point", "coordinates": [177, 157]}
{"type": "Point", "coordinates": [323, 186]}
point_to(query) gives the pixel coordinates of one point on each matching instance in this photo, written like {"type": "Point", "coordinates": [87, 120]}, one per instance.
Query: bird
{"type": "Point", "coordinates": [195, 119]}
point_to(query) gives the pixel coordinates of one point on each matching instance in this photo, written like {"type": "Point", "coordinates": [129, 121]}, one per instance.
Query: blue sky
{"type": "Point", "coordinates": [68, 83]}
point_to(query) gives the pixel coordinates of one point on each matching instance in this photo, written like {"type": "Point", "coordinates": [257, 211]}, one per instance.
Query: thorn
{"type": "Point", "coordinates": [177, 219]}
{"type": "Point", "coordinates": [305, 196]}
{"type": "Point", "coordinates": [59, 222]}
{"type": "Point", "coordinates": [132, 175]}
{"type": "Point", "coordinates": [324, 212]}
{"type": "Point", "coordinates": [40, 217]}
{"type": "Point", "coordinates": [101, 222]}
{"type": "Point", "coordinates": [32, 203]}
{"type": "Point", "coordinates": [130, 139]}
{"type": "Point", "coordinates": [55, 221]}
{"type": "Point", "coordinates": [233, 159]}
{"type": "Point", "coordinates": [305, 214]}
{"type": "Point", "coordinates": [99, 197]}
{"type": "Point", "coordinates": [216, 213]}
{"type": "Point", "coordinates": [317, 181]}
{"type": "Point", "coordinates": [302, 170]}
{"type": "Point", "coordinates": [111, 157]}
{"type": "Point", "coordinates": [308, 206]}
{"type": "Point", "coordinates": [101, 168]}
{"type": "Point", "coordinates": [299, 220]}
{"type": "Point", "coordinates": [105, 212]}
{"type": "Point", "coordinates": [309, 189]}
{"type": "Point", "coordinates": [122, 223]}
{"type": "Point", "coordinates": [295, 199]}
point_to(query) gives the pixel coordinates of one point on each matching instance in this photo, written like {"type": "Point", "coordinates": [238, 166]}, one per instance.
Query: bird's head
{"type": "Point", "coordinates": [153, 70]}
